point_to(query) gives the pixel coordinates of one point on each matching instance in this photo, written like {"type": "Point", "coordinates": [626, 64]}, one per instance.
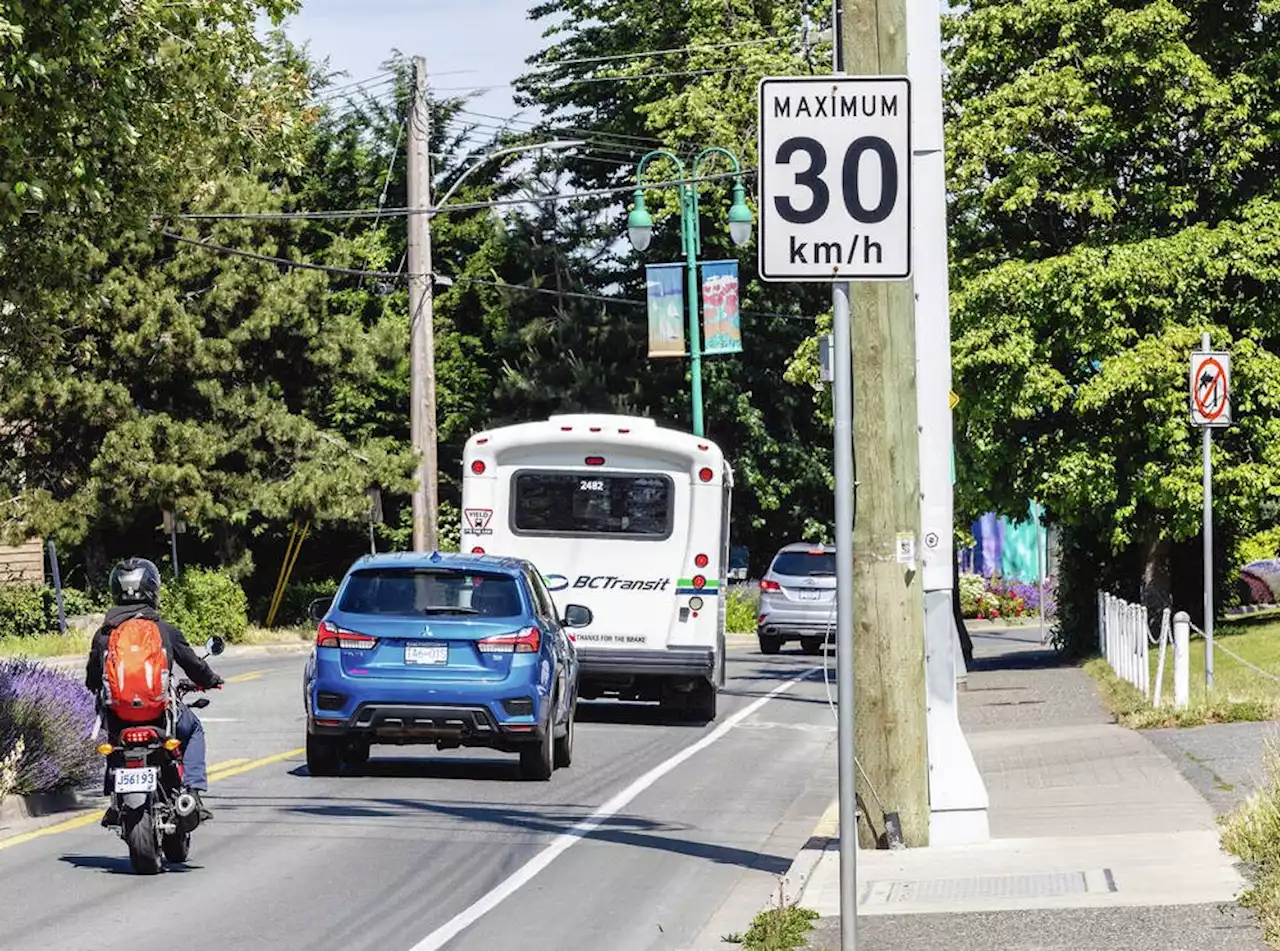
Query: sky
{"type": "Point", "coordinates": [467, 43]}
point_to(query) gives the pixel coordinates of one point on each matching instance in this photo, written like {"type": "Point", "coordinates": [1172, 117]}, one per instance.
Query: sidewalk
{"type": "Point", "coordinates": [1098, 842]}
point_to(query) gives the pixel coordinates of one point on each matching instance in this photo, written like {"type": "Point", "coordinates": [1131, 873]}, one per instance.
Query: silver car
{"type": "Point", "coordinates": [798, 598]}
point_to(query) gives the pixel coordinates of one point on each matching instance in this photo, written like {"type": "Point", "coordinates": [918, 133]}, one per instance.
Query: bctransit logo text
{"type": "Point", "coordinates": [614, 583]}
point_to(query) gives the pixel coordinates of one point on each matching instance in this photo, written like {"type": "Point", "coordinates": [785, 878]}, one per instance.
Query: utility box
{"type": "Point", "coordinates": [827, 372]}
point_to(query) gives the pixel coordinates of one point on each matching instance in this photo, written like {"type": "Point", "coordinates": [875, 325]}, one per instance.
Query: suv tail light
{"type": "Point", "coordinates": [525, 641]}
{"type": "Point", "coordinates": [330, 635]}
{"type": "Point", "coordinates": [767, 585]}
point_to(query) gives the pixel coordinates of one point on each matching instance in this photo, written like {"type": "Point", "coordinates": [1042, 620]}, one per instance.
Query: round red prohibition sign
{"type": "Point", "coordinates": [1211, 386]}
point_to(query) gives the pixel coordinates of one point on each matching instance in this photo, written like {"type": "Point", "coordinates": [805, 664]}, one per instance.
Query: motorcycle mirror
{"type": "Point", "coordinates": [200, 704]}
{"type": "Point", "coordinates": [215, 645]}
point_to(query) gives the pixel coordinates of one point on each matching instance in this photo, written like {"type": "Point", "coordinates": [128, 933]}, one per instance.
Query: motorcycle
{"type": "Point", "coordinates": [157, 813]}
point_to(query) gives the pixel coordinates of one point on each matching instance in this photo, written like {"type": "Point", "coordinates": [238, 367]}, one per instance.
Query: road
{"type": "Point", "coordinates": [660, 837]}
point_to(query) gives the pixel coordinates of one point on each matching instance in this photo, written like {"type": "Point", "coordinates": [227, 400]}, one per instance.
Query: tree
{"type": "Point", "coordinates": [1112, 168]}
{"type": "Point", "coordinates": [110, 112]}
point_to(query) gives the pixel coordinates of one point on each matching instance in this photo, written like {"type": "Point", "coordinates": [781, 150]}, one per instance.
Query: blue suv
{"type": "Point", "coordinates": [445, 649]}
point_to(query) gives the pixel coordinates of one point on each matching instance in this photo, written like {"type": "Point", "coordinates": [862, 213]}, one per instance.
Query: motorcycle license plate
{"type": "Point", "coordinates": [136, 780]}
{"type": "Point", "coordinates": [426, 654]}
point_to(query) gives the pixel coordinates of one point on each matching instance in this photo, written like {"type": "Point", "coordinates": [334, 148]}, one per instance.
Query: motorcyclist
{"type": "Point", "coordinates": [135, 589]}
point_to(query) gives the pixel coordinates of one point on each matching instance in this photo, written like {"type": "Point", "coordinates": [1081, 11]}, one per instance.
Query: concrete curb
{"type": "Point", "coordinates": [824, 838]}
{"type": "Point", "coordinates": [40, 805]}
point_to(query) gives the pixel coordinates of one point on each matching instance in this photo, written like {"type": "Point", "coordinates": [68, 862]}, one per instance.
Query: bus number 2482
{"type": "Point", "coordinates": [590, 485]}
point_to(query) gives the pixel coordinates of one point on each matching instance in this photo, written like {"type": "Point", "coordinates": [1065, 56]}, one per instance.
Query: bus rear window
{"type": "Point", "coordinates": [592, 503]}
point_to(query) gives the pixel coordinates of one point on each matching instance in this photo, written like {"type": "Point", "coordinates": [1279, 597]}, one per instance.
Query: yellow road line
{"type": "Point", "coordinates": [256, 764]}
{"type": "Point", "coordinates": [85, 818]}
{"type": "Point", "coordinates": [81, 820]}
{"type": "Point", "coordinates": [226, 763]}
{"type": "Point", "coordinates": [246, 676]}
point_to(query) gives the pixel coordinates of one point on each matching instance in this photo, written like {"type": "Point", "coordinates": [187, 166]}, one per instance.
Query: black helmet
{"type": "Point", "coordinates": [136, 581]}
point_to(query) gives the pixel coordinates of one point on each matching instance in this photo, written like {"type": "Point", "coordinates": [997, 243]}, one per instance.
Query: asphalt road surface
{"type": "Point", "coordinates": [661, 836]}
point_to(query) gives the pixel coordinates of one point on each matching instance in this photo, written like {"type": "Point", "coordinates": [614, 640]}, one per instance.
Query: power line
{"type": "Point", "coordinates": [390, 276]}
{"type": "Point", "coordinates": [355, 213]}
{"type": "Point", "coordinates": [667, 52]}
{"type": "Point", "coordinates": [281, 262]}
{"type": "Point", "coordinates": [569, 81]}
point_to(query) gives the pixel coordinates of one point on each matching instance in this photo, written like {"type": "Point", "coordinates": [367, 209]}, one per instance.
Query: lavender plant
{"type": "Point", "coordinates": [51, 714]}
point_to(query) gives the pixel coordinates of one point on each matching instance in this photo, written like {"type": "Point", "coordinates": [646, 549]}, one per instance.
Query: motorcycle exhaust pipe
{"type": "Point", "coordinates": [185, 805]}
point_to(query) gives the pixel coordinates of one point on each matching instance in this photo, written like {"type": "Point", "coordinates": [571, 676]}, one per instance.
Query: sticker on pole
{"type": "Point", "coordinates": [1210, 388]}
{"type": "Point", "coordinates": [835, 178]}
{"type": "Point", "coordinates": [477, 521]}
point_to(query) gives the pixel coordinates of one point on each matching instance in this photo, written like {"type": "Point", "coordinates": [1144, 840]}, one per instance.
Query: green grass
{"type": "Point", "coordinates": [1252, 834]}
{"type": "Point", "coordinates": [1239, 693]}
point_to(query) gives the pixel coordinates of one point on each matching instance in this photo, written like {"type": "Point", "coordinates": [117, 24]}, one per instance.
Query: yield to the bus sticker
{"type": "Point", "coordinates": [478, 521]}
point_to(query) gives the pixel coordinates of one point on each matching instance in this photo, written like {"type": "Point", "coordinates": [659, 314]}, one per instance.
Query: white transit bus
{"type": "Point", "coordinates": [628, 519]}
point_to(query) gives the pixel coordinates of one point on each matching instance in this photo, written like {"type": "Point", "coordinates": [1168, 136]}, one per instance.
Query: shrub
{"type": "Point", "coordinates": [51, 714]}
{"type": "Point", "coordinates": [9, 769]}
{"type": "Point", "coordinates": [295, 602]}
{"type": "Point", "coordinates": [740, 610]}
{"type": "Point", "coordinates": [205, 602]}
{"type": "Point", "coordinates": [28, 610]}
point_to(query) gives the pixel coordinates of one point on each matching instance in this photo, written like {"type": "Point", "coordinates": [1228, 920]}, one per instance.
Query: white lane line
{"type": "Point", "coordinates": [526, 873]}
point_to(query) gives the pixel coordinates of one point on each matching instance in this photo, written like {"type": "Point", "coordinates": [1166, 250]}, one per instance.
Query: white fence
{"type": "Point", "coordinates": [1124, 637]}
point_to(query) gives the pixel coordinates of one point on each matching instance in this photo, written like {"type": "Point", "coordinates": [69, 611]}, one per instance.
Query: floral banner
{"type": "Point", "coordinates": [721, 321]}
{"type": "Point", "coordinates": [666, 309]}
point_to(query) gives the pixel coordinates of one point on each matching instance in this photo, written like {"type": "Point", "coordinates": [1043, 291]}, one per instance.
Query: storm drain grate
{"type": "Point", "coordinates": [949, 890]}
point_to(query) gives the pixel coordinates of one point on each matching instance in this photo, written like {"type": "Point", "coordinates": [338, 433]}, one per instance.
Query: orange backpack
{"type": "Point", "coordinates": [135, 675]}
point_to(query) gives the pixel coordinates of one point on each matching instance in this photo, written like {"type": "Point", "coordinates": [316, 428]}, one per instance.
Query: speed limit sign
{"type": "Point", "coordinates": [835, 178]}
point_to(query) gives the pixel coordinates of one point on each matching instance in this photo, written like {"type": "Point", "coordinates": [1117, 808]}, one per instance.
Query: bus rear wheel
{"type": "Point", "coordinates": [702, 702]}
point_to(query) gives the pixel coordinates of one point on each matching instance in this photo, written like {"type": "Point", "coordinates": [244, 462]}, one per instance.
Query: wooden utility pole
{"type": "Point", "coordinates": [888, 605]}
{"type": "Point", "coordinates": [422, 370]}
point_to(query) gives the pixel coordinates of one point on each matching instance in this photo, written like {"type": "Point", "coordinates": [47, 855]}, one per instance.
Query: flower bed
{"type": "Point", "coordinates": [993, 598]}
{"type": "Point", "coordinates": [50, 715]}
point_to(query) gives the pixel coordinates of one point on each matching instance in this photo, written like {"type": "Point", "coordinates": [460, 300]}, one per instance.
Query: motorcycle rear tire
{"type": "Point", "coordinates": [140, 834]}
{"type": "Point", "coordinates": [177, 846]}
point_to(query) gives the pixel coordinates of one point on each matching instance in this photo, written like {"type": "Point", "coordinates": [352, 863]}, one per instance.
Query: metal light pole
{"type": "Point", "coordinates": [640, 230]}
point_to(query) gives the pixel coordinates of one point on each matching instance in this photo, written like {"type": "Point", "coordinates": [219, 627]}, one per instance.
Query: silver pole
{"type": "Point", "coordinates": [842, 398]}
{"type": "Point", "coordinates": [1206, 445]}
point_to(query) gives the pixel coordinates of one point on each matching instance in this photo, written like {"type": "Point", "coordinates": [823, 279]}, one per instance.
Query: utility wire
{"type": "Point", "coordinates": [355, 213]}
{"type": "Point", "coordinates": [667, 52]}
{"type": "Point", "coordinates": [391, 276]}
{"type": "Point", "coordinates": [569, 81]}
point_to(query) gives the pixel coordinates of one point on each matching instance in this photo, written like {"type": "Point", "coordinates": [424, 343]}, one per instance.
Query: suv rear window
{"type": "Point", "coordinates": [592, 503]}
{"type": "Point", "coordinates": [799, 564]}
{"type": "Point", "coordinates": [424, 592]}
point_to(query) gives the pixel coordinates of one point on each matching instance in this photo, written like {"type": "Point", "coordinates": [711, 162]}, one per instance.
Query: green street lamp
{"type": "Point", "coordinates": [640, 231]}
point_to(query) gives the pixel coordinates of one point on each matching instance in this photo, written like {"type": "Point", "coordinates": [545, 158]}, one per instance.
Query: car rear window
{"type": "Point", "coordinates": [418, 592]}
{"type": "Point", "coordinates": [592, 503]}
{"type": "Point", "coordinates": [799, 564]}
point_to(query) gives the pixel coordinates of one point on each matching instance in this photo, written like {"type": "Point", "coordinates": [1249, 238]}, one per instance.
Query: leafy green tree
{"type": "Point", "coordinates": [1112, 181]}
{"type": "Point", "coordinates": [109, 112]}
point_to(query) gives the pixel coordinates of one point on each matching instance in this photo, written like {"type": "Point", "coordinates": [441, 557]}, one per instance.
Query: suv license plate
{"type": "Point", "coordinates": [426, 654]}
{"type": "Point", "coordinates": [136, 780]}
{"type": "Point", "coordinates": [810, 595]}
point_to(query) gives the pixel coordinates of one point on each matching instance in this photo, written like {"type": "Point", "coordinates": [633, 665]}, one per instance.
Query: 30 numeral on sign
{"type": "Point", "coordinates": [811, 178]}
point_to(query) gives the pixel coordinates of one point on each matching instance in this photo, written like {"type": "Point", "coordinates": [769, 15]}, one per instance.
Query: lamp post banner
{"type": "Point", "coordinates": [721, 319]}
{"type": "Point", "coordinates": [665, 293]}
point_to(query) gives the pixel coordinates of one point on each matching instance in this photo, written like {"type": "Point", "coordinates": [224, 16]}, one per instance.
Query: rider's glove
{"type": "Point", "coordinates": [217, 683]}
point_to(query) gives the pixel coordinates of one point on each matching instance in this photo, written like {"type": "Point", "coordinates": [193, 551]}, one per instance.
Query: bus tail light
{"type": "Point", "coordinates": [594, 460]}
{"type": "Point", "coordinates": [477, 550]}
{"type": "Point", "coordinates": [705, 474]}
{"type": "Point", "coordinates": [525, 641]}
{"type": "Point", "coordinates": [700, 560]}
{"type": "Point", "coordinates": [767, 585]}
{"type": "Point", "coordinates": [478, 467]}
{"type": "Point", "coordinates": [699, 581]}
